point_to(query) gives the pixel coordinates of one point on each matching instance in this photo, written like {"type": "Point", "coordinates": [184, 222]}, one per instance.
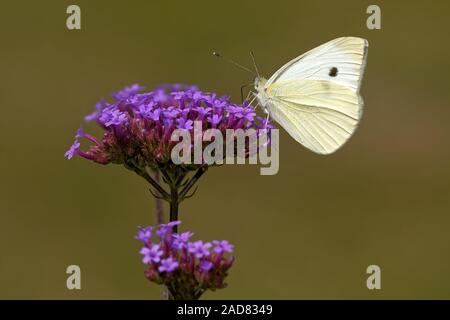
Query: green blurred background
{"type": "Point", "coordinates": [308, 232]}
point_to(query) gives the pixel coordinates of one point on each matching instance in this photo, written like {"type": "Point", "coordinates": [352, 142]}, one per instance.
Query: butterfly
{"type": "Point", "coordinates": [315, 97]}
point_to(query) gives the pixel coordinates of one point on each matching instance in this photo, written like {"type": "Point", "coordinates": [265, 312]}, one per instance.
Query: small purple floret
{"type": "Point", "coordinates": [186, 268]}
{"type": "Point", "coordinates": [168, 265]}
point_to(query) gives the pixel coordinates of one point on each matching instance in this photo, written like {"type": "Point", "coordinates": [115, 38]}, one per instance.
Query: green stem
{"type": "Point", "coordinates": [192, 181]}
{"type": "Point", "coordinates": [174, 202]}
{"type": "Point", "coordinates": [158, 202]}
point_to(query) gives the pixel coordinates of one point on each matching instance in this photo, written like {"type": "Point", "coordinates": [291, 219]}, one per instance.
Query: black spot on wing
{"type": "Point", "coordinates": [333, 72]}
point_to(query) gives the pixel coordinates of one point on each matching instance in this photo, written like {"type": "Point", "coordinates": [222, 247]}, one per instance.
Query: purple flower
{"type": "Point", "coordinates": [159, 95]}
{"type": "Point", "coordinates": [222, 246]}
{"type": "Point", "coordinates": [171, 113]}
{"type": "Point", "coordinates": [178, 95]}
{"type": "Point", "coordinates": [155, 114]}
{"type": "Point", "coordinates": [173, 223]}
{"type": "Point", "coordinates": [152, 254]}
{"type": "Point", "coordinates": [162, 232]}
{"type": "Point", "coordinates": [198, 95]}
{"type": "Point", "coordinates": [199, 249]}
{"type": "Point", "coordinates": [145, 110]}
{"type": "Point", "coordinates": [168, 265]}
{"type": "Point", "coordinates": [206, 265]}
{"type": "Point", "coordinates": [180, 240]}
{"type": "Point", "coordinates": [80, 133]}
{"type": "Point", "coordinates": [196, 269]}
{"type": "Point", "coordinates": [127, 92]}
{"type": "Point", "coordinates": [184, 124]}
{"type": "Point", "coordinates": [144, 234]}
{"type": "Point", "coordinates": [72, 150]}
{"type": "Point", "coordinates": [138, 126]}
{"type": "Point", "coordinates": [113, 116]}
{"type": "Point", "coordinates": [215, 120]}
{"type": "Point", "coordinates": [202, 112]}
{"type": "Point", "coordinates": [165, 229]}
{"type": "Point", "coordinates": [185, 236]}
{"type": "Point", "coordinates": [249, 114]}
{"type": "Point", "coordinates": [236, 110]}
{"type": "Point", "coordinates": [91, 117]}
{"type": "Point", "coordinates": [102, 104]}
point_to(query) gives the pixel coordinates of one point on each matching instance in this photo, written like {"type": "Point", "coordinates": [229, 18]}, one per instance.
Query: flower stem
{"type": "Point", "coordinates": [192, 181]}
{"type": "Point", "coordinates": [174, 201]}
{"type": "Point", "coordinates": [158, 202]}
{"type": "Point", "coordinates": [160, 220]}
{"type": "Point", "coordinates": [177, 196]}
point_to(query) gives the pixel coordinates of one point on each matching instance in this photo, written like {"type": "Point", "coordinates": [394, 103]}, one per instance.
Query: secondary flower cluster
{"type": "Point", "coordinates": [138, 125]}
{"type": "Point", "coordinates": [186, 268]}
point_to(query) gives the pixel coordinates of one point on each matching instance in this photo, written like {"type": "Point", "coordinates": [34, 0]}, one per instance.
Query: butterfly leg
{"type": "Point", "coordinates": [267, 118]}
{"type": "Point", "coordinates": [251, 93]}
{"type": "Point", "coordinates": [242, 93]}
{"type": "Point", "coordinates": [253, 100]}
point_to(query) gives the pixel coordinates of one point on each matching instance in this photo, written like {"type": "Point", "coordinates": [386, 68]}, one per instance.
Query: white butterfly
{"type": "Point", "coordinates": [315, 97]}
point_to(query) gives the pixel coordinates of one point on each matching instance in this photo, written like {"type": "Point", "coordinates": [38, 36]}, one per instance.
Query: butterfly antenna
{"type": "Point", "coordinates": [218, 55]}
{"type": "Point", "coordinates": [254, 63]}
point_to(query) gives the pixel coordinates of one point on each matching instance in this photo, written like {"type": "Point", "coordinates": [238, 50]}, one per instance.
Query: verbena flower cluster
{"type": "Point", "coordinates": [138, 125]}
{"type": "Point", "coordinates": [187, 268]}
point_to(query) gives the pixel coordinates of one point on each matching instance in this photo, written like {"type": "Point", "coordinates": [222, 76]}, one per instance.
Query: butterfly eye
{"type": "Point", "coordinates": [333, 72]}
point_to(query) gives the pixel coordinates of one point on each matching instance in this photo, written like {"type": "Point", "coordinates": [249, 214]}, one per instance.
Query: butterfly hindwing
{"type": "Point", "coordinates": [321, 115]}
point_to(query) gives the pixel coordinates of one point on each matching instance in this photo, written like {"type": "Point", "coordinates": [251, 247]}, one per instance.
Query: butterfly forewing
{"type": "Point", "coordinates": [345, 56]}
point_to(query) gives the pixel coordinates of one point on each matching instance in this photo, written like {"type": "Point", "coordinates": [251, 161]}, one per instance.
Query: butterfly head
{"type": "Point", "coordinates": [261, 94]}
{"type": "Point", "coordinates": [260, 83]}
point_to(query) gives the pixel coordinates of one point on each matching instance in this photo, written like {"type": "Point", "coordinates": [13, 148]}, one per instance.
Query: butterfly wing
{"type": "Point", "coordinates": [347, 54]}
{"type": "Point", "coordinates": [315, 97]}
{"type": "Point", "coordinates": [321, 115]}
